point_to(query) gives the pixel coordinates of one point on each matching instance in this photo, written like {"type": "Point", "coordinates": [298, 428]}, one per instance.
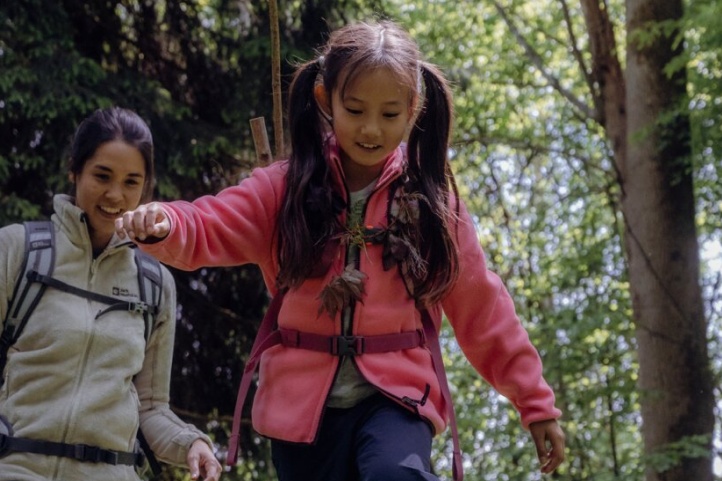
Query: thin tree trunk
{"type": "Point", "coordinates": [276, 80]}
{"type": "Point", "coordinates": [675, 377]}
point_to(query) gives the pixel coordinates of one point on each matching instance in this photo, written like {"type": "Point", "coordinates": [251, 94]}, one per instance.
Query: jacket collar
{"type": "Point", "coordinates": [393, 164]}
{"type": "Point", "coordinates": [73, 222]}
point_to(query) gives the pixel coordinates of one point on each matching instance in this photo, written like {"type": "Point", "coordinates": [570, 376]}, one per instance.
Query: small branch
{"type": "Point", "coordinates": [260, 140]}
{"type": "Point", "coordinates": [575, 48]}
{"type": "Point", "coordinates": [538, 62]}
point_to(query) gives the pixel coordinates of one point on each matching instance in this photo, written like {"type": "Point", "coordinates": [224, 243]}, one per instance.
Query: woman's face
{"type": "Point", "coordinates": [110, 183]}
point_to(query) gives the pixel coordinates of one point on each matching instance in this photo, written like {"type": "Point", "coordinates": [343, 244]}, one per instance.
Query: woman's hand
{"type": "Point", "coordinates": [147, 220]}
{"type": "Point", "coordinates": [549, 442]}
{"type": "Point", "coordinates": [202, 463]}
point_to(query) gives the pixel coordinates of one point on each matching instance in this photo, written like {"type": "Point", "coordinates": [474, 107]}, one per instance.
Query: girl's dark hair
{"type": "Point", "coordinates": [309, 215]}
{"type": "Point", "coordinates": [114, 123]}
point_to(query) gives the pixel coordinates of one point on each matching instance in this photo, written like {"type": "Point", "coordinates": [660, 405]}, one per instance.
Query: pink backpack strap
{"type": "Point", "coordinates": [266, 337]}
{"type": "Point", "coordinates": [434, 346]}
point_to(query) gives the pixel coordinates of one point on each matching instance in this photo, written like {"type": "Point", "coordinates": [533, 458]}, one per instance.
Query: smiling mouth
{"type": "Point", "coordinates": [110, 210]}
{"type": "Point", "coordinates": [368, 146]}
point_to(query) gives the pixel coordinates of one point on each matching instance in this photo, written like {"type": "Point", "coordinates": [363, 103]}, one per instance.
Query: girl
{"type": "Point", "coordinates": [78, 385]}
{"type": "Point", "coordinates": [364, 243]}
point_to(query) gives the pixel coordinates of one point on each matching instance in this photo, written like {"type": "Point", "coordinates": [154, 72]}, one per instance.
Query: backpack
{"type": "Point", "coordinates": [36, 275]}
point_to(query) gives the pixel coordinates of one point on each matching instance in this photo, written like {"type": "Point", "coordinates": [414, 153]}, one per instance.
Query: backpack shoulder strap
{"type": "Point", "coordinates": [150, 282]}
{"type": "Point", "coordinates": [40, 258]}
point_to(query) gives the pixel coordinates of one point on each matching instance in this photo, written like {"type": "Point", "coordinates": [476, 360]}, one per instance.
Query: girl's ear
{"type": "Point", "coordinates": [323, 100]}
{"type": "Point", "coordinates": [71, 177]}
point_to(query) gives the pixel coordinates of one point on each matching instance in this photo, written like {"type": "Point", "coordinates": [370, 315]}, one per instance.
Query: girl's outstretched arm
{"type": "Point", "coordinates": [549, 442]}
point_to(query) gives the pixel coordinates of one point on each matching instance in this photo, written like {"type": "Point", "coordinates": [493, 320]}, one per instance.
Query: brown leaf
{"type": "Point", "coordinates": [341, 291]}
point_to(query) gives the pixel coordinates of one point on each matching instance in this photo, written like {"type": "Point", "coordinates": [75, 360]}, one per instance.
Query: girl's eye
{"type": "Point", "coordinates": [353, 111]}
{"type": "Point", "coordinates": [391, 115]}
{"type": "Point", "coordinates": [102, 177]}
{"type": "Point", "coordinates": [132, 182]}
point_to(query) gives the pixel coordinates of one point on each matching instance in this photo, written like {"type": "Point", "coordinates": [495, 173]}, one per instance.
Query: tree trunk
{"type": "Point", "coordinates": [675, 378]}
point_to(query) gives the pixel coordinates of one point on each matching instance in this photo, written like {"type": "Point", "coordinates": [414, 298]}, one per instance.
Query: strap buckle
{"type": "Point", "coordinates": [347, 345]}
{"type": "Point", "coordinates": [139, 307]}
{"type": "Point", "coordinates": [94, 454]}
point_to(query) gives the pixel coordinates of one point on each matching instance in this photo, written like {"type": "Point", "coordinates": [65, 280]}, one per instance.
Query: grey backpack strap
{"type": "Point", "coordinates": [150, 282]}
{"type": "Point", "coordinates": [39, 258]}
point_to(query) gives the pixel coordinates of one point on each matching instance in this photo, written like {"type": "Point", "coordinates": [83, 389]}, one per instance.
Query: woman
{"type": "Point", "coordinates": [81, 380]}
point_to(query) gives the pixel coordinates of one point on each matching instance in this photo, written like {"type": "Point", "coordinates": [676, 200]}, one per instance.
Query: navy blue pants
{"type": "Point", "coordinates": [377, 440]}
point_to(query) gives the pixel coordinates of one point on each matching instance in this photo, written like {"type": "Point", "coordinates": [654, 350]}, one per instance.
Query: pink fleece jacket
{"type": "Point", "coordinates": [237, 226]}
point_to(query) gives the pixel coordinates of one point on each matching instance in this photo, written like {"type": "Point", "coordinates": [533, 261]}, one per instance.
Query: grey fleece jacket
{"type": "Point", "coordinates": [76, 379]}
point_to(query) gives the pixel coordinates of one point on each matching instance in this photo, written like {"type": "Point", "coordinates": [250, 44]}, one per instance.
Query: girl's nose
{"type": "Point", "coordinates": [370, 128]}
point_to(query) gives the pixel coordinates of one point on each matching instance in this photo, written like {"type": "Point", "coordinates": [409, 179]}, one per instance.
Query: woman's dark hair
{"type": "Point", "coordinates": [114, 123]}
{"type": "Point", "coordinates": [309, 215]}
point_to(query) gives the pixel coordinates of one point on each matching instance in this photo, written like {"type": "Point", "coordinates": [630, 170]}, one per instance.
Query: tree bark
{"type": "Point", "coordinates": [675, 378]}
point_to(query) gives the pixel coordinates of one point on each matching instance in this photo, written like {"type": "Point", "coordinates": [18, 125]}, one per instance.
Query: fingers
{"type": "Point", "coordinates": [193, 464]}
{"type": "Point", "coordinates": [210, 468]}
{"type": "Point", "coordinates": [549, 441]}
{"type": "Point", "coordinates": [203, 463]}
{"type": "Point", "coordinates": [213, 473]}
{"type": "Point", "coordinates": [147, 220]}
{"type": "Point", "coordinates": [555, 456]}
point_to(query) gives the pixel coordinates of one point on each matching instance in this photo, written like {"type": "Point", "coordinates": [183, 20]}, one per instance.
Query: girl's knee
{"type": "Point", "coordinates": [412, 468]}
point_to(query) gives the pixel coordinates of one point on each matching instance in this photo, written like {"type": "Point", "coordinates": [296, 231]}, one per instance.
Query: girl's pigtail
{"type": "Point", "coordinates": [298, 226]}
{"type": "Point", "coordinates": [305, 128]}
{"type": "Point", "coordinates": [428, 148]}
{"type": "Point", "coordinates": [429, 138]}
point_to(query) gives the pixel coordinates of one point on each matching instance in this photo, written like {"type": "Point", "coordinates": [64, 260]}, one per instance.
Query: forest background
{"type": "Point", "coordinates": [566, 111]}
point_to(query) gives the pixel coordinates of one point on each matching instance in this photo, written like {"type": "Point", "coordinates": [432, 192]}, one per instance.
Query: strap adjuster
{"type": "Point", "coordinates": [94, 454]}
{"type": "Point", "coordinates": [138, 307]}
{"type": "Point", "coordinates": [347, 345]}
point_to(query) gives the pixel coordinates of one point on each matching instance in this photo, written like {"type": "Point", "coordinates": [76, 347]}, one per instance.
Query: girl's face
{"type": "Point", "coordinates": [110, 183]}
{"type": "Point", "coordinates": [370, 121]}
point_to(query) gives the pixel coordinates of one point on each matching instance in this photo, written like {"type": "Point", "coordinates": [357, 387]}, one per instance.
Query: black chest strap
{"type": "Point", "coordinates": [113, 304]}
{"type": "Point", "coordinates": [80, 452]}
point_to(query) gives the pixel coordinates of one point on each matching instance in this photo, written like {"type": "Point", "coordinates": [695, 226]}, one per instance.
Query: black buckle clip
{"type": "Point", "coordinates": [94, 454]}
{"type": "Point", "coordinates": [347, 346]}
{"type": "Point", "coordinates": [138, 307]}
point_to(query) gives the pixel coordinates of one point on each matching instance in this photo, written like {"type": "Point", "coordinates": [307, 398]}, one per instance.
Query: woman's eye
{"type": "Point", "coordinates": [391, 115]}
{"type": "Point", "coordinates": [353, 111]}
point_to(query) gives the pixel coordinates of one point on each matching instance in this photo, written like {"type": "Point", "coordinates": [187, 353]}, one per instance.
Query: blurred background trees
{"type": "Point", "coordinates": [540, 151]}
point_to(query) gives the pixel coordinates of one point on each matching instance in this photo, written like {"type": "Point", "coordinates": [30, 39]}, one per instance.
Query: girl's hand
{"type": "Point", "coordinates": [147, 220]}
{"type": "Point", "coordinates": [549, 441]}
{"type": "Point", "coordinates": [202, 462]}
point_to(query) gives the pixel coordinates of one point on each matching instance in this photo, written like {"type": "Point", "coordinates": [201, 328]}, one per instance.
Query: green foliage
{"type": "Point", "coordinates": [672, 454]}
{"type": "Point", "coordinates": [536, 172]}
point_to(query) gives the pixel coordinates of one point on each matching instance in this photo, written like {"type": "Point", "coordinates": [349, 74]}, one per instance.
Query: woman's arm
{"type": "Point", "coordinates": [172, 440]}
